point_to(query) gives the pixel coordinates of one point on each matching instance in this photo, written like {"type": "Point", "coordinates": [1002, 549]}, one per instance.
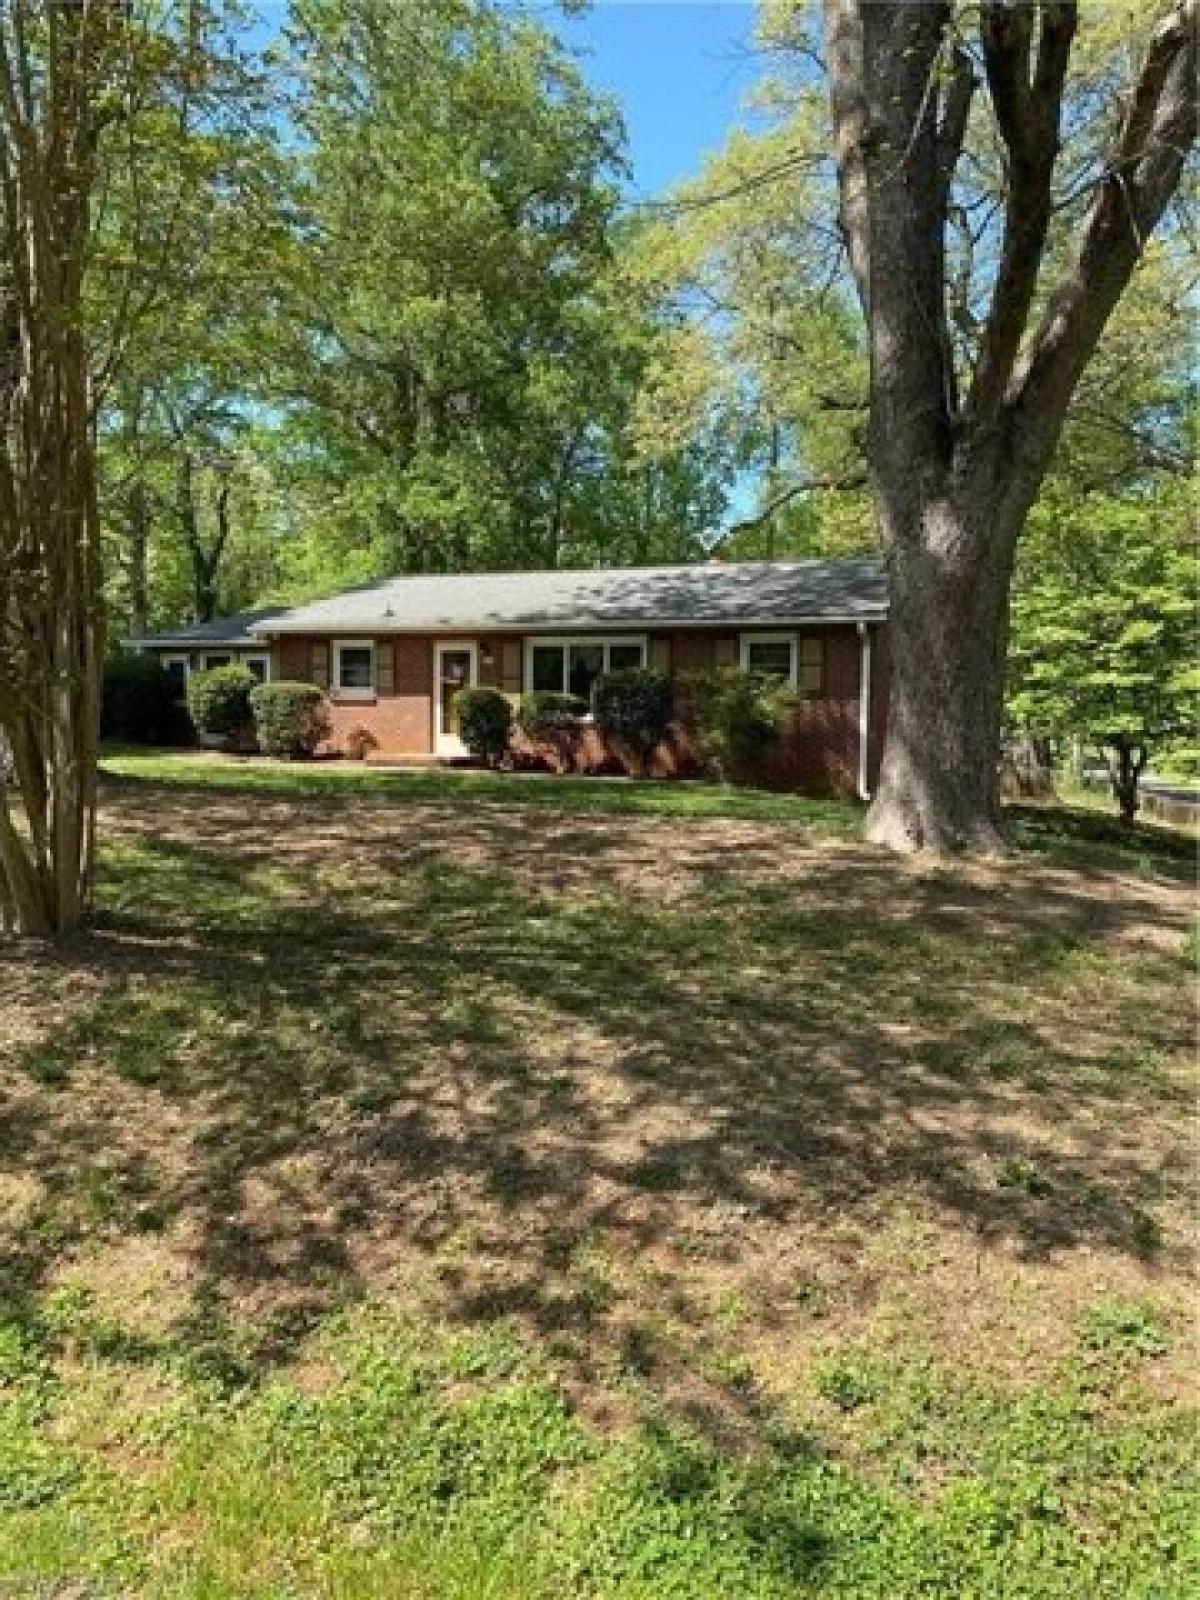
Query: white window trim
{"type": "Point", "coordinates": [789, 639]}
{"type": "Point", "coordinates": [259, 655]}
{"type": "Point", "coordinates": [565, 640]}
{"type": "Point", "coordinates": [231, 659]}
{"type": "Point", "coordinates": [336, 691]}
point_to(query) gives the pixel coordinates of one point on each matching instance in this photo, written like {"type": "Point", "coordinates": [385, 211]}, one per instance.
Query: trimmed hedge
{"type": "Point", "coordinates": [485, 720]}
{"type": "Point", "coordinates": [219, 702]}
{"type": "Point", "coordinates": [291, 719]}
{"type": "Point", "coordinates": [544, 715]}
{"type": "Point", "coordinates": [634, 710]}
{"type": "Point", "coordinates": [140, 703]}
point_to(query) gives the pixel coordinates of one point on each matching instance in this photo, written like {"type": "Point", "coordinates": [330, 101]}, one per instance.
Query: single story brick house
{"type": "Point", "coordinates": [393, 655]}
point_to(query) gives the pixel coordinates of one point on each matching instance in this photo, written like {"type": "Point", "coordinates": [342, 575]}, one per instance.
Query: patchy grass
{"type": "Point", "coordinates": [437, 1192]}
{"type": "Point", "coordinates": [342, 781]}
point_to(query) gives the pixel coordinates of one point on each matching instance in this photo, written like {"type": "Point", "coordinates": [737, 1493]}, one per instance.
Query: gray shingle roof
{"type": "Point", "coordinates": [235, 631]}
{"type": "Point", "coordinates": [737, 593]}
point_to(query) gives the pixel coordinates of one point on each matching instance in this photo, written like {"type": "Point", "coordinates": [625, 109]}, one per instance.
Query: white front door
{"type": "Point", "coordinates": [455, 667]}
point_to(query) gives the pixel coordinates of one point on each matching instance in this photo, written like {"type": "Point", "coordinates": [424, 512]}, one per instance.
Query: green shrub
{"type": "Point", "coordinates": [552, 719]}
{"type": "Point", "coordinates": [484, 723]}
{"type": "Point", "coordinates": [739, 719]}
{"type": "Point", "coordinates": [140, 702]}
{"type": "Point", "coordinates": [634, 710]}
{"type": "Point", "coordinates": [290, 719]}
{"type": "Point", "coordinates": [543, 714]}
{"type": "Point", "coordinates": [219, 702]}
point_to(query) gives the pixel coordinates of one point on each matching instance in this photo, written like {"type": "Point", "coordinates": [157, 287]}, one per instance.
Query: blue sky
{"type": "Point", "coordinates": [680, 70]}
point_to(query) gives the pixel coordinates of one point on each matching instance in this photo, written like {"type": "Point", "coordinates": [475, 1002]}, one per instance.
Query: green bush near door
{"type": "Point", "coordinates": [485, 721]}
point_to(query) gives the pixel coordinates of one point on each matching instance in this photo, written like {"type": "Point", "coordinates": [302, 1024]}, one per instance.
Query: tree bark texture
{"type": "Point", "coordinates": [954, 473]}
{"type": "Point", "coordinates": [51, 610]}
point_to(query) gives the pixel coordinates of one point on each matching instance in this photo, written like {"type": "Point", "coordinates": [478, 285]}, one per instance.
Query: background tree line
{"type": "Point", "coordinates": [398, 329]}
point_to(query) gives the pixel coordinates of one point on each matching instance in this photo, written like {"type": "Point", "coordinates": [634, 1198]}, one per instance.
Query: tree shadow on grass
{"type": "Point", "coordinates": [587, 1085]}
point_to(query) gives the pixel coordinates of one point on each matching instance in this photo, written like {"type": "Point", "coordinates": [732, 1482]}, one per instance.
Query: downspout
{"type": "Point", "coordinates": [864, 710]}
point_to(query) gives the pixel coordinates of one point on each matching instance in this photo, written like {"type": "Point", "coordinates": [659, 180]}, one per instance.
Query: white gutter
{"type": "Point", "coordinates": [864, 710]}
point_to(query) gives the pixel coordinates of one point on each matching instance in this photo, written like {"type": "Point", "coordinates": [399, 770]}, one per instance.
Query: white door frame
{"type": "Point", "coordinates": [447, 744]}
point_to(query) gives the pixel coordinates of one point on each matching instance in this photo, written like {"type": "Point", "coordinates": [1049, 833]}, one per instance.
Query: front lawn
{"type": "Point", "coordinates": [468, 1188]}
{"type": "Point", "coordinates": [334, 781]}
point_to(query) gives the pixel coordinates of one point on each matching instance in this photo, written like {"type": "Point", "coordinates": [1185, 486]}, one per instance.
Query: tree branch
{"type": "Point", "coordinates": [1142, 174]}
{"type": "Point", "coordinates": [892, 124]}
{"type": "Point", "coordinates": [1028, 112]}
{"type": "Point", "coordinates": [956, 112]}
{"type": "Point", "coordinates": [836, 484]}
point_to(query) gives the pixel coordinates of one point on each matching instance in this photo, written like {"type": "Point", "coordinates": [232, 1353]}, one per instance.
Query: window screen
{"type": "Point", "coordinates": [355, 666]}
{"type": "Point", "coordinates": [770, 658]}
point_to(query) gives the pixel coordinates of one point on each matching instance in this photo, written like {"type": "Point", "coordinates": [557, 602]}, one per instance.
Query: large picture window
{"type": "Point", "coordinates": [354, 669]}
{"type": "Point", "coordinates": [571, 666]}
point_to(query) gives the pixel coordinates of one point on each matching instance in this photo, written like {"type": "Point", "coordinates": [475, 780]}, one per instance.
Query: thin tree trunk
{"type": "Point", "coordinates": [1027, 772]}
{"type": "Point", "coordinates": [205, 562]}
{"type": "Point", "coordinates": [1125, 774]}
{"type": "Point", "coordinates": [137, 519]}
{"type": "Point", "coordinates": [138, 559]}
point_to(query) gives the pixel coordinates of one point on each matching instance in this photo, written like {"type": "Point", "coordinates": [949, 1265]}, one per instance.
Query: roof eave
{"type": "Point", "coordinates": [242, 641]}
{"type": "Point", "coordinates": [624, 624]}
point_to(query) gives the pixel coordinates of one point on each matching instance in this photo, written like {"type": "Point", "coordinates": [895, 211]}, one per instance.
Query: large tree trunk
{"type": "Point", "coordinates": [954, 473]}
{"type": "Point", "coordinates": [939, 785]}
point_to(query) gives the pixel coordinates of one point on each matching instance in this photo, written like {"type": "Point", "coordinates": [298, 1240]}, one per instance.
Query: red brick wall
{"type": "Point", "coordinates": [401, 718]}
{"type": "Point", "coordinates": [819, 755]}
{"type": "Point", "coordinates": [821, 752]}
